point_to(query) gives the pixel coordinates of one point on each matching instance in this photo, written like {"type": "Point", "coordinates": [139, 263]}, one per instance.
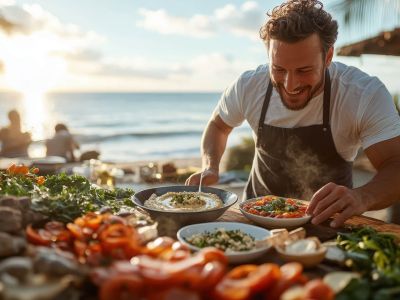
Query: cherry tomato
{"type": "Point", "coordinates": [246, 280]}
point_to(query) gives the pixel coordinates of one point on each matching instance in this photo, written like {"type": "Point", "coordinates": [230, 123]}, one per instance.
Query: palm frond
{"type": "Point", "coordinates": [367, 14]}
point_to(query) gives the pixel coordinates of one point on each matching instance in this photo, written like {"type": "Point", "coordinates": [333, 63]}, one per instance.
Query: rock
{"type": "Point", "coordinates": [10, 219]}
{"type": "Point", "coordinates": [32, 217]}
{"type": "Point", "coordinates": [11, 245]}
{"type": "Point", "coordinates": [52, 263]}
{"type": "Point", "coordinates": [10, 201]}
{"type": "Point", "coordinates": [18, 267]}
{"type": "Point", "coordinates": [25, 203]}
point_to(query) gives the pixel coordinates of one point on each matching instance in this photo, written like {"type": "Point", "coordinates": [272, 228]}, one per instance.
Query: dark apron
{"type": "Point", "coordinates": [296, 162]}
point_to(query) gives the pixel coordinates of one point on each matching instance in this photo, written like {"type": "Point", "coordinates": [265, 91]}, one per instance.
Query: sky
{"type": "Point", "coordinates": [141, 46]}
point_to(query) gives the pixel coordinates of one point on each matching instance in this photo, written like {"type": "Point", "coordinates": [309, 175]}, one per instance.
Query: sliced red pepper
{"type": "Point", "coordinates": [246, 280]}
{"type": "Point", "coordinates": [38, 237]}
{"type": "Point", "coordinates": [122, 287]}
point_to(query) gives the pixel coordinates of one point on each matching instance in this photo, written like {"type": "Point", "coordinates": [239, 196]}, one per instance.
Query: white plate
{"type": "Point", "coordinates": [233, 257]}
{"type": "Point", "coordinates": [269, 222]}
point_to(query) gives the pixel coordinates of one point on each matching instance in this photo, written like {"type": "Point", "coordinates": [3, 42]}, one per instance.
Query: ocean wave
{"type": "Point", "coordinates": [140, 135]}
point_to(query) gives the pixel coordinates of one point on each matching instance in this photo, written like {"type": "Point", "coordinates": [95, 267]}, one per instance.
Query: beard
{"type": "Point", "coordinates": [303, 96]}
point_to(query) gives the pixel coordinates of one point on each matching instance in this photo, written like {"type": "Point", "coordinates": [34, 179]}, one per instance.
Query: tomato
{"type": "Point", "coordinates": [122, 287]}
{"type": "Point", "coordinates": [40, 180]}
{"type": "Point", "coordinates": [75, 230]}
{"type": "Point", "coordinates": [11, 169]}
{"type": "Point", "coordinates": [246, 280]}
{"type": "Point", "coordinates": [317, 290]}
{"type": "Point", "coordinates": [291, 273]}
{"type": "Point", "coordinates": [23, 170]}
{"type": "Point", "coordinates": [160, 244]}
{"type": "Point", "coordinates": [93, 220]}
{"type": "Point", "coordinates": [174, 293]}
{"type": "Point", "coordinates": [211, 254]}
{"type": "Point", "coordinates": [120, 241]}
{"type": "Point", "coordinates": [38, 237]}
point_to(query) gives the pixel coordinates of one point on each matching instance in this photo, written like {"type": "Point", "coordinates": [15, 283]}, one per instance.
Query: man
{"type": "Point", "coordinates": [14, 142]}
{"type": "Point", "coordinates": [62, 143]}
{"type": "Point", "coordinates": [309, 117]}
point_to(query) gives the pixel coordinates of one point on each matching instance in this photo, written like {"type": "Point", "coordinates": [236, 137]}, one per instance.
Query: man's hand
{"type": "Point", "coordinates": [210, 176]}
{"type": "Point", "coordinates": [332, 199]}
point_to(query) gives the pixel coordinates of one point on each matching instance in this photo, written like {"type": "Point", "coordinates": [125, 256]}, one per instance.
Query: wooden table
{"type": "Point", "coordinates": [323, 231]}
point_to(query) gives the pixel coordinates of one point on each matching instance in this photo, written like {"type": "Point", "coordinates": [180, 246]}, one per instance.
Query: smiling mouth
{"type": "Point", "coordinates": [295, 93]}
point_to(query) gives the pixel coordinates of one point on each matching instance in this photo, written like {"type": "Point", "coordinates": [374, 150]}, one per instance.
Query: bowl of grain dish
{"type": "Point", "coordinates": [176, 206]}
{"type": "Point", "coordinates": [239, 241]}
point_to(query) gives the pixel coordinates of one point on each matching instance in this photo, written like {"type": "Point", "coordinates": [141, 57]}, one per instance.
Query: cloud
{"type": "Point", "coordinates": [32, 18]}
{"type": "Point", "coordinates": [139, 68]}
{"type": "Point", "coordinates": [88, 55]}
{"type": "Point", "coordinates": [242, 21]}
{"type": "Point", "coordinates": [89, 68]}
{"type": "Point", "coordinates": [160, 21]}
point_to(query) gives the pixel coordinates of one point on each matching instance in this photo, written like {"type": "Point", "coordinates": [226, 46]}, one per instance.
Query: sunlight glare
{"type": "Point", "coordinates": [32, 68]}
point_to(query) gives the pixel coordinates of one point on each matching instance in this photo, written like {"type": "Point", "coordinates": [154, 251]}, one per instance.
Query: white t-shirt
{"type": "Point", "coordinates": [362, 111]}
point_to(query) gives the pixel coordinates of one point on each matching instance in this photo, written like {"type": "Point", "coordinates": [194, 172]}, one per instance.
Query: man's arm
{"type": "Point", "coordinates": [213, 147]}
{"type": "Point", "coordinates": [382, 191]}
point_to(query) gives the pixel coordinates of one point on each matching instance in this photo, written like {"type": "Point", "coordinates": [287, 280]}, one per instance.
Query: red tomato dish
{"type": "Point", "coordinates": [276, 207]}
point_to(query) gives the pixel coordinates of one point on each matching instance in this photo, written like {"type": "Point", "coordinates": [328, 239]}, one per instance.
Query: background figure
{"type": "Point", "coordinates": [14, 142]}
{"type": "Point", "coordinates": [62, 143]}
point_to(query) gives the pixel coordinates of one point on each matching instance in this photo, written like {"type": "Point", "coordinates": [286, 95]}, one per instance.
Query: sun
{"type": "Point", "coordinates": [32, 68]}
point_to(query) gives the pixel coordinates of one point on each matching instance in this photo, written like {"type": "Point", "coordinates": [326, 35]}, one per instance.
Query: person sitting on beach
{"type": "Point", "coordinates": [62, 143]}
{"type": "Point", "coordinates": [14, 142]}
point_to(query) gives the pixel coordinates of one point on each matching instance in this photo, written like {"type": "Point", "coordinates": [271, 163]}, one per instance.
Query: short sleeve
{"type": "Point", "coordinates": [229, 106]}
{"type": "Point", "coordinates": [380, 120]}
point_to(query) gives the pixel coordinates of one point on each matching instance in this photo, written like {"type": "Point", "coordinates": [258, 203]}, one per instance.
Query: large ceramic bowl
{"type": "Point", "coordinates": [269, 222]}
{"type": "Point", "coordinates": [171, 221]}
{"type": "Point", "coordinates": [258, 233]}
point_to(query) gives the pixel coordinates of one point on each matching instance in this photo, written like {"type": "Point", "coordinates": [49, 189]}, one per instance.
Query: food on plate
{"type": "Point", "coordinates": [339, 280]}
{"type": "Point", "coordinates": [184, 201]}
{"type": "Point", "coordinates": [225, 240]}
{"type": "Point", "coordinates": [375, 255]}
{"type": "Point", "coordinates": [282, 236]}
{"type": "Point", "coordinates": [315, 289]}
{"type": "Point", "coordinates": [146, 277]}
{"type": "Point", "coordinates": [304, 246]}
{"type": "Point", "coordinates": [294, 246]}
{"type": "Point", "coordinates": [94, 238]}
{"type": "Point", "coordinates": [247, 280]}
{"type": "Point", "coordinates": [60, 197]}
{"type": "Point", "coordinates": [276, 207]}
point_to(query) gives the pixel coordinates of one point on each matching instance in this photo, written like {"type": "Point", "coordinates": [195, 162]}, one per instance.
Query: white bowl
{"type": "Point", "coordinates": [233, 257]}
{"type": "Point", "coordinates": [308, 260]}
{"type": "Point", "coordinates": [269, 222]}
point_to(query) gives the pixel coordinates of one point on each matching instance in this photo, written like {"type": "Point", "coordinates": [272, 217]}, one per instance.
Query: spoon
{"type": "Point", "coordinates": [201, 179]}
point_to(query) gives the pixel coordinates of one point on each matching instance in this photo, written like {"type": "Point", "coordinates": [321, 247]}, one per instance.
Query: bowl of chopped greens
{"type": "Point", "coordinates": [275, 212]}
{"type": "Point", "coordinates": [240, 242]}
{"type": "Point", "coordinates": [176, 206]}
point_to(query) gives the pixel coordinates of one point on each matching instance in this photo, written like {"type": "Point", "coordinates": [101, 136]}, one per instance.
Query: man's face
{"type": "Point", "coordinates": [297, 70]}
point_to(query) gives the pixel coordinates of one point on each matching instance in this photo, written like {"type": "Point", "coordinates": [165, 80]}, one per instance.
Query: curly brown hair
{"type": "Point", "coordinates": [295, 20]}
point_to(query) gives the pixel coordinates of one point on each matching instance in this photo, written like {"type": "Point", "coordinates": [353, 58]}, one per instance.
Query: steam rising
{"type": "Point", "coordinates": [304, 170]}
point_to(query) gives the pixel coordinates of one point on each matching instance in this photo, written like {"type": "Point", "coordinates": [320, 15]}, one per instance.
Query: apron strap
{"type": "Point", "coordinates": [264, 111]}
{"type": "Point", "coordinates": [327, 101]}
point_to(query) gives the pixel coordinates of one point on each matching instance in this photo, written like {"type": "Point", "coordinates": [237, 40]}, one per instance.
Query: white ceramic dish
{"type": "Point", "coordinates": [308, 260]}
{"type": "Point", "coordinates": [269, 222]}
{"type": "Point", "coordinates": [233, 257]}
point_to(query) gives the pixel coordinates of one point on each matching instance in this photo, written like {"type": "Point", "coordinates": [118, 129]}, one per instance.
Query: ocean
{"type": "Point", "coordinates": [123, 127]}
